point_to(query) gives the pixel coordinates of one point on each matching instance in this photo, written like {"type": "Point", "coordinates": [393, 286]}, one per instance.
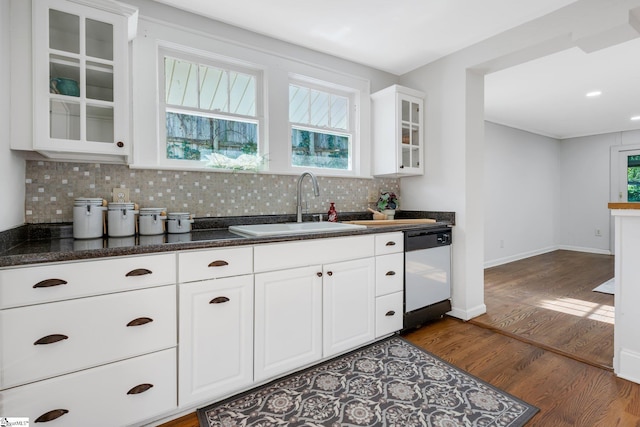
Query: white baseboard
{"type": "Point", "coordinates": [588, 250]}
{"type": "Point", "coordinates": [629, 368]}
{"type": "Point", "coordinates": [517, 257]}
{"type": "Point", "coordinates": [468, 314]}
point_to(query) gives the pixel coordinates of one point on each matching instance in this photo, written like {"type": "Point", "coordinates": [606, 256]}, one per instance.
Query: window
{"type": "Point", "coordinates": [211, 113]}
{"type": "Point", "coordinates": [633, 178]}
{"type": "Point", "coordinates": [321, 128]}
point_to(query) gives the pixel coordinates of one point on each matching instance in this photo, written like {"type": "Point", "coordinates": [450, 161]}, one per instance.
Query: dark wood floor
{"type": "Point", "coordinates": [548, 300]}
{"type": "Point", "coordinates": [545, 302]}
{"type": "Point", "coordinates": [567, 392]}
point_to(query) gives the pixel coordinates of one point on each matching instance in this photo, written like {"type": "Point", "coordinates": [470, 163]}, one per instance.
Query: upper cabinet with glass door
{"type": "Point", "coordinates": [398, 143]}
{"type": "Point", "coordinates": [81, 84]}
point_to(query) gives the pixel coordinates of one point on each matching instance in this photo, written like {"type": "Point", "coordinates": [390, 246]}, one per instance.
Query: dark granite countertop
{"type": "Point", "coordinates": [32, 244]}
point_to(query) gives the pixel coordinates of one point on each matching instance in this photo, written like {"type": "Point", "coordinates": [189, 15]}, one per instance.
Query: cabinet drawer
{"type": "Point", "coordinates": [388, 314]}
{"type": "Point", "coordinates": [279, 256]}
{"type": "Point", "coordinates": [389, 273]}
{"type": "Point", "coordinates": [389, 243]}
{"type": "Point", "coordinates": [83, 333]}
{"type": "Point", "coordinates": [214, 263]}
{"type": "Point", "coordinates": [102, 396]}
{"type": "Point", "coordinates": [56, 282]}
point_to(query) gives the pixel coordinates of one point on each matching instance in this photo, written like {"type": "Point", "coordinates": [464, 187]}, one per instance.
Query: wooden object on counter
{"type": "Point", "coordinates": [391, 222]}
{"type": "Point", "coordinates": [626, 205]}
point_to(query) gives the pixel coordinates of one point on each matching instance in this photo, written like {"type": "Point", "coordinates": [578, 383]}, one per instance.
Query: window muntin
{"type": "Point", "coordinates": [320, 128]}
{"type": "Point", "coordinates": [211, 114]}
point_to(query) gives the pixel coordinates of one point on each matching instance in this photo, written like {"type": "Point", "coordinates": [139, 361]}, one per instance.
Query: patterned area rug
{"type": "Point", "coordinates": [389, 383]}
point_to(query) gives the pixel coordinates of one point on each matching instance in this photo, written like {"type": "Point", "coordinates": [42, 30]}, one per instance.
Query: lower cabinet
{"type": "Point", "coordinates": [348, 304]}
{"type": "Point", "coordinates": [305, 314]}
{"type": "Point", "coordinates": [288, 320]}
{"type": "Point", "coordinates": [216, 338]}
{"type": "Point", "coordinates": [389, 309]}
{"type": "Point", "coordinates": [115, 394]}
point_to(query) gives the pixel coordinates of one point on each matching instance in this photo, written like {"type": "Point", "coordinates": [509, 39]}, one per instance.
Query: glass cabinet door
{"type": "Point", "coordinates": [81, 82]}
{"type": "Point", "coordinates": [410, 134]}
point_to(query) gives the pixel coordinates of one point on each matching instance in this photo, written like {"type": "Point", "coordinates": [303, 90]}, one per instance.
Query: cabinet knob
{"type": "Point", "coordinates": [218, 263]}
{"type": "Point", "coordinates": [50, 339]}
{"type": "Point", "coordinates": [120, 144]}
{"type": "Point", "coordinates": [219, 300]}
{"type": "Point", "coordinates": [319, 274]}
{"type": "Point", "coordinates": [138, 272]}
{"type": "Point", "coordinates": [329, 273]}
{"type": "Point", "coordinates": [390, 273]}
{"type": "Point", "coordinates": [50, 282]}
{"type": "Point", "coordinates": [390, 313]}
{"type": "Point", "coordinates": [51, 415]}
{"type": "Point", "coordinates": [401, 166]}
{"type": "Point", "coordinates": [140, 321]}
{"type": "Point", "coordinates": [141, 388]}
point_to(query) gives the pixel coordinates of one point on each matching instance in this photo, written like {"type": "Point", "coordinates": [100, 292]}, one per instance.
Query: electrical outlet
{"type": "Point", "coordinates": [598, 232]}
{"type": "Point", "coordinates": [373, 197]}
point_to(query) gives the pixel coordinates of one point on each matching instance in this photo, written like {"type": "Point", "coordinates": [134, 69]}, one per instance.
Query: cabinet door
{"type": "Point", "coordinates": [216, 338]}
{"type": "Point", "coordinates": [348, 305]}
{"type": "Point", "coordinates": [80, 79]}
{"type": "Point", "coordinates": [410, 138]}
{"type": "Point", "coordinates": [288, 320]}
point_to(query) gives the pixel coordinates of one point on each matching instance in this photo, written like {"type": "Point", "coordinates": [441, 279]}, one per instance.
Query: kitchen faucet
{"type": "Point", "coordinates": [316, 192]}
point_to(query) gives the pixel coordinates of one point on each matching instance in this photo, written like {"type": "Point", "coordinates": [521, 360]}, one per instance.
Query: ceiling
{"type": "Point", "coordinates": [546, 96]}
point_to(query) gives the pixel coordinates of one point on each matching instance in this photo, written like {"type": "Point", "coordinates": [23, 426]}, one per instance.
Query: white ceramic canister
{"type": "Point", "coordinates": [151, 221]}
{"type": "Point", "coordinates": [121, 220]}
{"type": "Point", "coordinates": [88, 218]}
{"type": "Point", "coordinates": [179, 222]}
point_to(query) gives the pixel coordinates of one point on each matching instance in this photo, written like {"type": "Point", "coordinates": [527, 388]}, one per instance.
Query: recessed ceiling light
{"type": "Point", "coordinates": [634, 118]}
{"type": "Point", "coordinates": [594, 94]}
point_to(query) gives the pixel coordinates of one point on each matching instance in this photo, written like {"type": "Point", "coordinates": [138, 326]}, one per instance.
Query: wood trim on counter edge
{"type": "Point", "coordinates": [624, 205]}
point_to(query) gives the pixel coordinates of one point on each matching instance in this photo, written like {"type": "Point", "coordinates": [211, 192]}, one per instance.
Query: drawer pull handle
{"type": "Point", "coordinates": [390, 313]}
{"type": "Point", "coordinates": [50, 339]}
{"type": "Point", "coordinates": [319, 274]}
{"type": "Point", "coordinates": [51, 415]}
{"type": "Point", "coordinates": [138, 272]}
{"type": "Point", "coordinates": [330, 273]}
{"type": "Point", "coordinates": [219, 300]}
{"type": "Point", "coordinates": [218, 263]}
{"type": "Point", "coordinates": [141, 388]}
{"type": "Point", "coordinates": [49, 283]}
{"type": "Point", "coordinates": [140, 321]}
{"type": "Point", "coordinates": [390, 273]}
{"type": "Point", "coordinates": [391, 243]}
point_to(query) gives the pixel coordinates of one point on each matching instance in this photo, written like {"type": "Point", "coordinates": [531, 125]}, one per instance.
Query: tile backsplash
{"type": "Point", "coordinates": [51, 188]}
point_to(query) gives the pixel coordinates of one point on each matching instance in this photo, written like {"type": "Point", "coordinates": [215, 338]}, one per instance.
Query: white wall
{"type": "Point", "coordinates": [522, 193]}
{"type": "Point", "coordinates": [584, 187]}
{"type": "Point", "coordinates": [12, 166]}
{"type": "Point", "coordinates": [454, 121]}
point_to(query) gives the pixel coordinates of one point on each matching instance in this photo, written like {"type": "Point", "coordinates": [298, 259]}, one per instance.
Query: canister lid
{"type": "Point", "coordinates": [152, 211]}
{"type": "Point", "coordinates": [179, 215]}
{"type": "Point", "coordinates": [117, 206]}
{"type": "Point", "coordinates": [83, 201]}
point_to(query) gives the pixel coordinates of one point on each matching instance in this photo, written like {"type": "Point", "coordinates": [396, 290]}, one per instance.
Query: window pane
{"type": "Point", "coordinates": [213, 89]}
{"type": "Point", "coordinates": [319, 108]}
{"type": "Point", "coordinates": [242, 94]}
{"type": "Point", "coordinates": [339, 114]}
{"type": "Point", "coordinates": [191, 137]}
{"type": "Point", "coordinates": [320, 150]}
{"type": "Point", "coordinates": [298, 104]}
{"type": "Point", "coordinates": [633, 179]}
{"type": "Point", "coordinates": [181, 83]}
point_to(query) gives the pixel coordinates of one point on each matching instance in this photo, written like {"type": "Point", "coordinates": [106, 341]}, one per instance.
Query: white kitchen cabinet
{"type": "Point", "coordinates": [398, 131]}
{"type": "Point", "coordinates": [388, 314]}
{"type": "Point", "coordinates": [288, 320]}
{"type": "Point", "coordinates": [348, 305]}
{"type": "Point", "coordinates": [389, 283]}
{"type": "Point", "coordinates": [216, 338]}
{"type": "Point", "coordinates": [214, 263]}
{"type": "Point", "coordinates": [116, 394]}
{"type": "Point", "coordinates": [81, 78]}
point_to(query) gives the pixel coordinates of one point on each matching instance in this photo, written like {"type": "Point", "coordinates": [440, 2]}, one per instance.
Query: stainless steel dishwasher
{"type": "Point", "coordinates": [427, 278]}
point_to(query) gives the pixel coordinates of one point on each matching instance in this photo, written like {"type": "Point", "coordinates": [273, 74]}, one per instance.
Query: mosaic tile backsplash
{"type": "Point", "coordinates": [51, 188]}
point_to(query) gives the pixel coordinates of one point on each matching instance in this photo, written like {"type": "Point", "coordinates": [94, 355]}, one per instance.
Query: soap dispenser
{"type": "Point", "coordinates": [332, 215]}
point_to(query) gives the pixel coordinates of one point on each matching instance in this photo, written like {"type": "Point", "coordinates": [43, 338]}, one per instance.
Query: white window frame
{"type": "Point", "coordinates": [352, 130]}
{"type": "Point", "coordinates": [211, 60]}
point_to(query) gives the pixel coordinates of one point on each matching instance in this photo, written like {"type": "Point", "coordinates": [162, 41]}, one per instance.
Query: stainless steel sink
{"type": "Point", "coordinates": [257, 230]}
